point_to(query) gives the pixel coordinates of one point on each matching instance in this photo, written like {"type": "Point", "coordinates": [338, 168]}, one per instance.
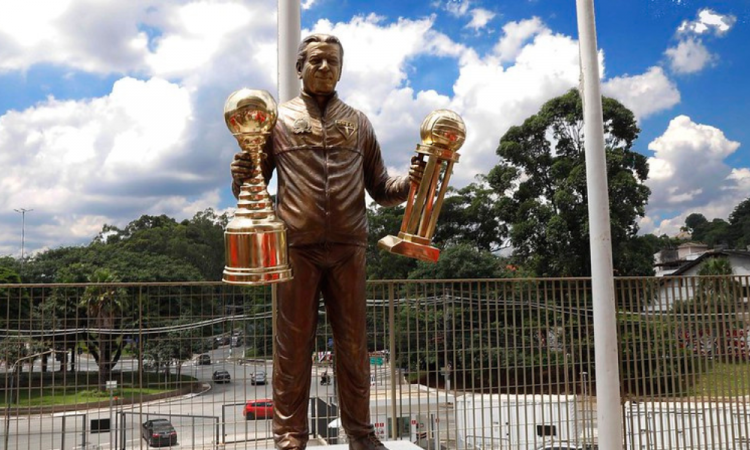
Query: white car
{"type": "Point", "coordinates": [568, 446]}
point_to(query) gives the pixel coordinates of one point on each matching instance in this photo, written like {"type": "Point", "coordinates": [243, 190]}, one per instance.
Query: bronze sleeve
{"type": "Point", "coordinates": [384, 189]}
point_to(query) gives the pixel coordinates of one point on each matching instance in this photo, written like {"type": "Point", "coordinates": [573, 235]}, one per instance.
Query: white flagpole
{"type": "Point", "coordinates": [608, 409]}
{"type": "Point", "coordinates": [289, 25]}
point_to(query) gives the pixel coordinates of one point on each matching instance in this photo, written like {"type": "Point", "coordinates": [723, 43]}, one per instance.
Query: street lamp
{"type": "Point", "coordinates": [23, 212]}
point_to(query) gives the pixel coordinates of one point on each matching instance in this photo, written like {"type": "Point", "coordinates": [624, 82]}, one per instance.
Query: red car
{"type": "Point", "coordinates": [258, 409]}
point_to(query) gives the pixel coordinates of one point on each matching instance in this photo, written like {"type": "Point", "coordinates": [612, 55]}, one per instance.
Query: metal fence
{"type": "Point", "coordinates": [455, 364]}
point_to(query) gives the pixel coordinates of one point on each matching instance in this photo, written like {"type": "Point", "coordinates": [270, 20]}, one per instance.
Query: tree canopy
{"type": "Point", "coordinates": [150, 248]}
{"type": "Point", "coordinates": [541, 185]}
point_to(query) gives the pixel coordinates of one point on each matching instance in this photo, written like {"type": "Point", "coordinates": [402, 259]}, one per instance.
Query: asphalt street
{"type": "Point", "coordinates": [210, 419]}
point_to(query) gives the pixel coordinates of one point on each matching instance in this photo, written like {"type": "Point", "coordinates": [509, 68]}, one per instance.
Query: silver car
{"type": "Point", "coordinates": [258, 377]}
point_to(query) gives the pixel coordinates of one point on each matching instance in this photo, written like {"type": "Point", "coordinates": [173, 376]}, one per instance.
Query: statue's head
{"type": "Point", "coordinates": [320, 58]}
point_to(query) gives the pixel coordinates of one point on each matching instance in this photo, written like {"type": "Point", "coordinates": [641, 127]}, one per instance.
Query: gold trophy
{"type": "Point", "coordinates": [442, 132]}
{"type": "Point", "coordinates": [255, 240]}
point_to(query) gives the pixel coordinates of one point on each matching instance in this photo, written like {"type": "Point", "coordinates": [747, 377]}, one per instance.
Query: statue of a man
{"type": "Point", "coordinates": [326, 155]}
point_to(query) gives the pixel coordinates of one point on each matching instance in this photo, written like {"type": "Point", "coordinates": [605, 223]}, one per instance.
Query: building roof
{"type": "Point", "coordinates": [707, 255]}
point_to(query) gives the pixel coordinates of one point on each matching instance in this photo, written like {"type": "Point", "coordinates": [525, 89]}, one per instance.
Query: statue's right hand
{"type": "Point", "coordinates": [242, 167]}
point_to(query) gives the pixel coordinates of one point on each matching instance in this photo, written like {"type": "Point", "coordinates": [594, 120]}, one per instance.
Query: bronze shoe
{"type": "Point", "coordinates": [367, 442]}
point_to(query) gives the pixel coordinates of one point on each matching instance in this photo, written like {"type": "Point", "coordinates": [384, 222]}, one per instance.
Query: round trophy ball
{"type": "Point", "coordinates": [443, 128]}
{"type": "Point", "coordinates": [250, 111]}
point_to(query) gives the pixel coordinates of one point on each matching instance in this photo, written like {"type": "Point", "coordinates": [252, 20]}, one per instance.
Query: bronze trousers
{"type": "Point", "coordinates": [338, 272]}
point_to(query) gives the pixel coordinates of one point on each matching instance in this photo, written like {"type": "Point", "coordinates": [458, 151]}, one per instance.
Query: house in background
{"type": "Point", "coordinates": [680, 266]}
{"type": "Point", "coordinates": [669, 260]}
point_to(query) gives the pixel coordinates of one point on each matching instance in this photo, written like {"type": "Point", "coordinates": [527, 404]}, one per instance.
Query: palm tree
{"type": "Point", "coordinates": [104, 303]}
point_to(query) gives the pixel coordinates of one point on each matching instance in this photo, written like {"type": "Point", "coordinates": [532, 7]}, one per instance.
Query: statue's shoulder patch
{"type": "Point", "coordinates": [301, 125]}
{"type": "Point", "coordinates": [347, 127]}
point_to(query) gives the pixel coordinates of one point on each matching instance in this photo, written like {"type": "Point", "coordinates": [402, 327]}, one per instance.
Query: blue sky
{"type": "Point", "coordinates": [110, 110]}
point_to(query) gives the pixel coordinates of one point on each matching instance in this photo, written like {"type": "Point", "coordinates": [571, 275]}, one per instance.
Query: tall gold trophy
{"type": "Point", "coordinates": [255, 240]}
{"type": "Point", "coordinates": [442, 132]}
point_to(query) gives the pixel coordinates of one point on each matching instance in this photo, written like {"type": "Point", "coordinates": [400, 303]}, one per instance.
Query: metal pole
{"type": "Point", "coordinates": [7, 409]}
{"type": "Point", "coordinates": [392, 358]}
{"type": "Point", "coordinates": [62, 443]}
{"type": "Point", "coordinates": [289, 25]}
{"type": "Point", "coordinates": [602, 281]}
{"type": "Point", "coordinates": [111, 423]}
{"type": "Point", "coordinates": [23, 212]}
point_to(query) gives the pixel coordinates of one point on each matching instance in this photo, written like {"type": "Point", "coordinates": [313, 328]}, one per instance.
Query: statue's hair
{"type": "Point", "coordinates": [320, 37]}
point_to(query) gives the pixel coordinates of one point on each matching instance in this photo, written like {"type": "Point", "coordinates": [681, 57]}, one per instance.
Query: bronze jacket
{"type": "Point", "coordinates": [324, 162]}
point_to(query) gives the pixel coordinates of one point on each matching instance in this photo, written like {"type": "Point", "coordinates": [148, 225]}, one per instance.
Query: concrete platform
{"type": "Point", "coordinates": [391, 445]}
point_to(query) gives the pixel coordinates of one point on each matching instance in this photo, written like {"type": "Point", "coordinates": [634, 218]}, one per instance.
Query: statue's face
{"type": "Point", "coordinates": [322, 68]}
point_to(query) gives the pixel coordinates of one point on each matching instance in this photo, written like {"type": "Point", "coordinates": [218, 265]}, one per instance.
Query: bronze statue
{"type": "Point", "coordinates": [325, 155]}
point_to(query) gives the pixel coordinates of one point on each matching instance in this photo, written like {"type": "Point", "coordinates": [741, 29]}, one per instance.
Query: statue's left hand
{"type": "Point", "coordinates": [416, 169]}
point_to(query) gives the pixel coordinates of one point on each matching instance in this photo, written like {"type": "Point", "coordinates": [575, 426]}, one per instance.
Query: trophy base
{"type": "Point", "coordinates": [409, 249]}
{"type": "Point", "coordinates": [256, 254]}
{"type": "Point", "coordinates": [250, 277]}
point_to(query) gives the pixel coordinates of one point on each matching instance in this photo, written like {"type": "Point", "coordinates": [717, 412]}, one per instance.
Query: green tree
{"type": "Point", "coordinates": [471, 215]}
{"type": "Point", "coordinates": [14, 305]}
{"type": "Point", "coordinates": [462, 261]}
{"type": "Point", "coordinates": [176, 347]}
{"type": "Point", "coordinates": [9, 271]}
{"type": "Point", "coordinates": [739, 225]}
{"type": "Point", "coordinates": [382, 265]}
{"type": "Point", "coordinates": [541, 186]}
{"type": "Point", "coordinates": [151, 248]}
{"type": "Point", "coordinates": [694, 221]}
{"type": "Point", "coordinates": [104, 303]}
{"type": "Point", "coordinates": [715, 232]}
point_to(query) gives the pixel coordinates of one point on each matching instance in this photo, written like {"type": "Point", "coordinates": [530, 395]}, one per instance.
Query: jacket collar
{"type": "Point", "coordinates": [312, 104]}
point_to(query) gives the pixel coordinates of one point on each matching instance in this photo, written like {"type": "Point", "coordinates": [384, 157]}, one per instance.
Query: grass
{"type": "Point", "coordinates": [70, 396]}
{"type": "Point", "coordinates": [51, 389]}
{"type": "Point", "coordinates": [724, 380]}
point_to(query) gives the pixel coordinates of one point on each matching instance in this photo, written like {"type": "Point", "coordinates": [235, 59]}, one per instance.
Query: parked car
{"type": "Point", "coordinates": [568, 446]}
{"type": "Point", "coordinates": [221, 376]}
{"type": "Point", "coordinates": [258, 409]}
{"type": "Point", "coordinates": [204, 360]}
{"type": "Point", "coordinates": [258, 378]}
{"type": "Point", "coordinates": [159, 432]}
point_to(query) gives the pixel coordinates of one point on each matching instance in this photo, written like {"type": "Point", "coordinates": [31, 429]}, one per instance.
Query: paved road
{"type": "Point", "coordinates": [200, 420]}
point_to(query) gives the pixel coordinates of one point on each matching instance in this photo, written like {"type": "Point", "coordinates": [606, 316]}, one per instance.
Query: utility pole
{"type": "Point", "coordinates": [23, 212]}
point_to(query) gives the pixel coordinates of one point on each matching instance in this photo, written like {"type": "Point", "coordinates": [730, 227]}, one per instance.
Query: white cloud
{"type": "Point", "coordinates": [516, 35]}
{"type": "Point", "coordinates": [99, 38]}
{"type": "Point", "coordinates": [117, 37]}
{"type": "Point", "coordinates": [688, 174]}
{"type": "Point", "coordinates": [307, 4]}
{"type": "Point", "coordinates": [480, 17]}
{"type": "Point", "coordinates": [689, 56]}
{"type": "Point", "coordinates": [195, 33]}
{"type": "Point", "coordinates": [708, 21]}
{"type": "Point", "coordinates": [458, 8]}
{"type": "Point", "coordinates": [78, 162]}
{"type": "Point", "coordinates": [643, 94]}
